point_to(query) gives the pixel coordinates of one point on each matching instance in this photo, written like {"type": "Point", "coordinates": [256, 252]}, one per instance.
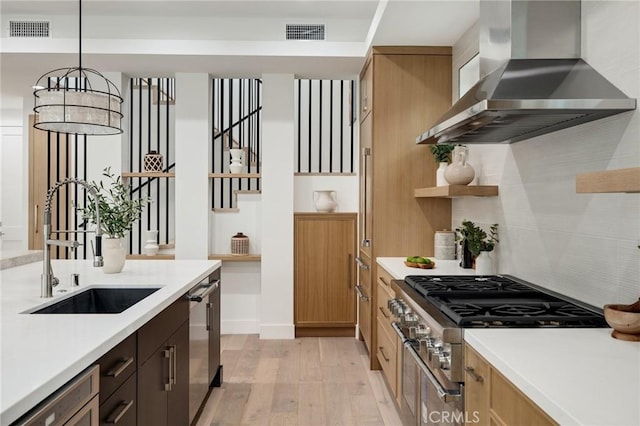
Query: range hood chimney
{"type": "Point", "coordinates": [533, 80]}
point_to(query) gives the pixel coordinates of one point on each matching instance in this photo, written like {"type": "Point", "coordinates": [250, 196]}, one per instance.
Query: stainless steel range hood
{"type": "Point", "coordinates": [534, 80]}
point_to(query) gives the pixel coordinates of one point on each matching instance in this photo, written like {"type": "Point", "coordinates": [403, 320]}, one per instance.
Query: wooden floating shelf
{"type": "Point", "coordinates": [232, 258]}
{"type": "Point", "coordinates": [148, 174]}
{"type": "Point", "coordinates": [154, 257]}
{"type": "Point", "coordinates": [234, 175]}
{"type": "Point", "coordinates": [457, 191]}
{"type": "Point", "coordinates": [620, 180]}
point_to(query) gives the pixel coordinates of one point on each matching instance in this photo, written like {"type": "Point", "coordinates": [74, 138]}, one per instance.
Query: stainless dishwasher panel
{"type": "Point", "coordinates": [199, 335]}
{"type": "Point", "coordinates": [76, 403]}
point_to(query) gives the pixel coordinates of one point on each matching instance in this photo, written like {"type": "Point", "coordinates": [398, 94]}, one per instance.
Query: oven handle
{"type": "Point", "coordinates": [206, 290]}
{"type": "Point", "coordinates": [444, 394]}
{"type": "Point", "coordinates": [398, 331]}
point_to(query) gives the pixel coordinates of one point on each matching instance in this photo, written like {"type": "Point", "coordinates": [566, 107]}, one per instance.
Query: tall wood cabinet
{"type": "Point", "coordinates": [324, 249]}
{"type": "Point", "coordinates": [403, 90]}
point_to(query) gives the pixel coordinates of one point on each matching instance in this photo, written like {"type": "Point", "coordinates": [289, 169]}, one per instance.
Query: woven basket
{"type": "Point", "coordinates": [239, 245]}
{"type": "Point", "coordinates": [153, 162]}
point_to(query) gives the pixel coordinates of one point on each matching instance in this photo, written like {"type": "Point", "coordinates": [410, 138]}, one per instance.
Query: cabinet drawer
{"type": "Point", "coordinates": [382, 311]}
{"type": "Point", "coordinates": [366, 90]}
{"type": "Point", "coordinates": [386, 353]}
{"type": "Point", "coordinates": [152, 334]}
{"type": "Point", "coordinates": [116, 366]}
{"type": "Point", "coordinates": [364, 315]}
{"type": "Point", "coordinates": [476, 381]}
{"type": "Point", "coordinates": [364, 272]}
{"type": "Point", "coordinates": [121, 407]}
{"type": "Point", "coordinates": [385, 278]}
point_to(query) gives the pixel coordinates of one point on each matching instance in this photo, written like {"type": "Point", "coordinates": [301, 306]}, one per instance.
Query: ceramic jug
{"type": "Point", "coordinates": [459, 172]}
{"type": "Point", "coordinates": [325, 201]}
{"type": "Point", "coordinates": [151, 246]}
{"type": "Point", "coordinates": [113, 254]}
{"type": "Point", "coordinates": [236, 160]}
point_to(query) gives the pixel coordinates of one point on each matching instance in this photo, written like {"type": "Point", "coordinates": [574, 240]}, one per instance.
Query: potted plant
{"type": "Point", "coordinates": [118, 213]}
{"type": "Point", "coordinates": [442, 155]}
{"type": "Point", "coordinates": [475, 241]}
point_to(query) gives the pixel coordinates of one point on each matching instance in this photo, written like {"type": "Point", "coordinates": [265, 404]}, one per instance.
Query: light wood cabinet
{"type": "Point", "coordinates": [492, 399]}
{"type": "Point", "coordinates": [365, 298]}
{"type": "Point", "coordinates": [324, 252]}
{"type": "Point", "coordinates": [410, 88]}
{"type": "Point", "coordinates": [387, 343]}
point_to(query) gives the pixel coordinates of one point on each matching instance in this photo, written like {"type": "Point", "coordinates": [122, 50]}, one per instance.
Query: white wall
{"type": "Point", "coordinates": [582, 245]}
{"type": "Point", "coordinates": [346, 188]}
{"type": "Point", "coordinates": [277, 207]}
{"type": "Point", "coordinates": [11, 197]}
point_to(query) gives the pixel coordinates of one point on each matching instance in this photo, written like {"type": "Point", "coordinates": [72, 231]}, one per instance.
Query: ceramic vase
{"type": "Point", "coordinates": [236, 160]}
{"type": "Point", "coordinates": [325, 201]}
{"type": "Point", "coordinates": [440, 179]}
{"type": "Point", "coordinates": [113, 255]}
{"type": "Point", "coordinates": [484, 264]}
{"type": "Point", "coordinates": [151, 245]}
{"type": "Point", "coordinates": [459, 172]}
{"type": "Point", "coordinates": [239, 245]}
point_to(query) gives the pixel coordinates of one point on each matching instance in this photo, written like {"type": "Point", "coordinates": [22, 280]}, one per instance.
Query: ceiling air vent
{"type": "Point", "coordinates": [305, 31]}
{"type": "Point", "coordinates": [28, 28]}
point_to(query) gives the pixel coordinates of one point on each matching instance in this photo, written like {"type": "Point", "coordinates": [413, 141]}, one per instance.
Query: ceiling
{"type": "Point", "coordinates": [227, 38]}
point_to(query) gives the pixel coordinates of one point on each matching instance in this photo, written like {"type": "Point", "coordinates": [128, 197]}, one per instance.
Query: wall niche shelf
{"type": "Point", "coordinates": [457, 191]}
{"type": "Point", "coordinates": [154, 257]}
{"type": "Point", "coordinates": [234, 175]}
{"type": "Point", "coordinates": [232, 258]}
{"type": "Point", "coordinates": [620, 180]}
{"type": "Point", "coordinates": [148, 174]}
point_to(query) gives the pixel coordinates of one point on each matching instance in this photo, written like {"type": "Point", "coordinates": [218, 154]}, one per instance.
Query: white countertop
{"type": "Point", "coordinates": [42, 352]}
{"type": "Point", "coordinates": [13, 258]}
{"type": "Point", "coordinates": [398, 270]}
{"type": "Point", "coordinates": [578, 376]}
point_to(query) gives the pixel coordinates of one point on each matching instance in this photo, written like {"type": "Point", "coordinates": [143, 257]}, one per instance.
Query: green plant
{"type": "Point", "coordinates": [118, 211]}
{"type": "Point", "coordinates": [442, 152]}
{"type": "Point", "coordinates": [477, 239]}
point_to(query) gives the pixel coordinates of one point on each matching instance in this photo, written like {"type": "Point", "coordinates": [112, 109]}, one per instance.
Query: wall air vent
{"type": "Point", "coordinates": [28, 28]}
{"type": "Point", "coordinates": [305, 31]}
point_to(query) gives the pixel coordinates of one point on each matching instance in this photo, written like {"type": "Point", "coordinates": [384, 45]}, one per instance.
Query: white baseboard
{"type": "Point", "coordinates": [277, 331]}
{"type": "Point", "coordinates": [239, 327]}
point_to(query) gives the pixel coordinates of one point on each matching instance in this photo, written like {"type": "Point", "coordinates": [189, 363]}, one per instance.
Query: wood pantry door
{"type": "Point", "coordinates": [324, 253]}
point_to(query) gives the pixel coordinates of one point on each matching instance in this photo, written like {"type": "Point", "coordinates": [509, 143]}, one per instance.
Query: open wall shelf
{"type": "Point", "coordinates": [232, 258]}
{"type": "Point", "coordinates": [620, 180]}
{"type": "Point", "coordinates": [154, 257]}
{"type": "Point", "coordinates": [457, 191]}
{"type": "Point", "coordinates": [148, 174]}
{"type": "Point", "coordinates": [234, 175]}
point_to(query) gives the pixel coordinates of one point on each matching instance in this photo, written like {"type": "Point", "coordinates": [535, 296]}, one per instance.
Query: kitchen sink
{"type": "Point", "coordinates": [98, 301]}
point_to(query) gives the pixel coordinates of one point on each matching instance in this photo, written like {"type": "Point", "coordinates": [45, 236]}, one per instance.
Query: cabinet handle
{"type": "Point", "coordinates": [119, 411]}
{"type": "Point", "coordinates": [383, 312]}
{"type": "Point", "coordinates": [349, 271]}
{"type": "Point", "coordinates": [208, 316]}
{"type": "Point", "coordinates": [167, 354]}
{"type": "Point", "coordinates": [122, 365]}
{"type": "Point", "coordinates": [384, 281]}
{"type": "Point", "coordinates": [381, 349]}
{"type": "Point", "coordinates": [361, 264]}
{"type": "Point", "coordinates": [174, 361]}
{"type": "Point", "coordinates": [361, 294]}
{"type": "Point", "coordinates": [475, 376]}
{"type": "Point", "coordinates": [35, 217]}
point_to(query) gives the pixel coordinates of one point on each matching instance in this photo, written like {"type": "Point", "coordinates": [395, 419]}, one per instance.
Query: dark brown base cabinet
{"type": "Point", "coordinates": [118, 384]}
{"type": "Point", "coordinates": [163, 368]}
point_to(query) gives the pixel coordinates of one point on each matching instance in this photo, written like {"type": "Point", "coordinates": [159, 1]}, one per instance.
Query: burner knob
{"type": "Point", "coordinates": [422, 331]}
{"type": "Point", "coordinates": [434, 350]}
{"type": "Point", "coordinates": [410, 319]}
{"type": "Point", "coordinates": [444, 360]}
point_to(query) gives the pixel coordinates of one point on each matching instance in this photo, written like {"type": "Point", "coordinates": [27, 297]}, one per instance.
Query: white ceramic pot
{"type": "Point", "coordinates": [484, 264]}
{"type": "Point", "coordinates": [440, 179]}
{"type": "Point", "coordinates": [151, 246]}
{"type": "Point", "coordinates": [325, 201]}
{"type": "Point", "coordinates": [113, 255]}
{"type": "Point", "coordinates": [459, 172]}
{"type": "Point", "coordinates": [236, 160]}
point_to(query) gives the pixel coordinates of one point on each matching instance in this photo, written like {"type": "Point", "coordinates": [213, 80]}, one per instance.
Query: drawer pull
{"type": "Point", "coordinates": [383, 312]}
{"type": "Point", "coordinates": [381, 349]}
{"type": "Point", "coordinates": [119, 411]}
{"type": "Point", "coordinates": [167, 354]}
{"type": "Point", "coordinates": [116, 371]}
{"type": "Point", "coordinates": [361, 264]}
{"type": "Point", "coordinates": [384, 281]}
{"type": "Point", "coordinates": [475, 376]}
{"type": "Point", "coordinates": [361, 295]}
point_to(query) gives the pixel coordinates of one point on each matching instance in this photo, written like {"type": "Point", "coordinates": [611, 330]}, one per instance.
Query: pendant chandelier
{"type": "Point", "coordinates": [77, 100]}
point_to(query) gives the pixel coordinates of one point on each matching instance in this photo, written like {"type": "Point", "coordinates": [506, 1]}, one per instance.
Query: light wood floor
{"type": "Point", "coordinates": [306, 381]}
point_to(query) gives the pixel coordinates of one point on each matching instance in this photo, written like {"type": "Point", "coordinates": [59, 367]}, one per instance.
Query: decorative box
{"type": "Point", "coordinates": [153, 162]}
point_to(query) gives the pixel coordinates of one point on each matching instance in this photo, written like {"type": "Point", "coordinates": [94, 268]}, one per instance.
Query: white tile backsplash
{"type": "Point", "coordinates": [581, 245]}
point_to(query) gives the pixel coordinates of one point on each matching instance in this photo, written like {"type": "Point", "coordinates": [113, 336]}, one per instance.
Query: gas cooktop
{"type": "Point", "coordinates": [500, 301]}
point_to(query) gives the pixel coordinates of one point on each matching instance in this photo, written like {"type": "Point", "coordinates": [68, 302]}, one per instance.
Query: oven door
{"type": "Point", "coordinates": [435, 405]}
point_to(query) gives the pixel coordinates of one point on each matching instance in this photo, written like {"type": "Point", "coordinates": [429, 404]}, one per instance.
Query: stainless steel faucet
{"type": "Point", "coordinates": [48, 280]}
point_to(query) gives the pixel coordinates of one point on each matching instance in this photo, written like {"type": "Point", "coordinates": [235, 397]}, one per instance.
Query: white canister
{"type": "Point", "coordinates": [445, 245]}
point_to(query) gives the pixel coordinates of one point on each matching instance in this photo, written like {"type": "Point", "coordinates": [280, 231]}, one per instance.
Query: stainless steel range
{"type": "Point", "coordinates": [431, 313]}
